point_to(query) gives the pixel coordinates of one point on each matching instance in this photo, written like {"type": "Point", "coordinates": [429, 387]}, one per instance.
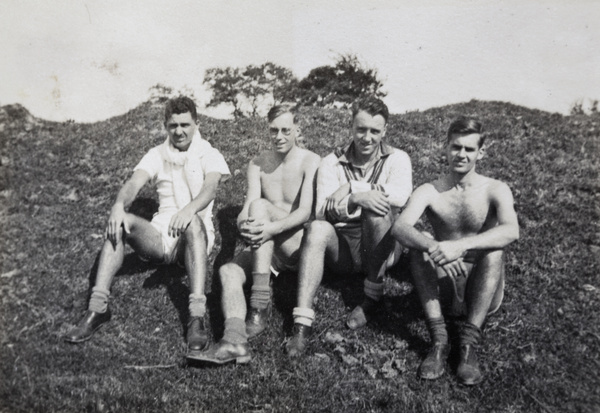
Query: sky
{"type": "Point", "coordinates": [89, 61]}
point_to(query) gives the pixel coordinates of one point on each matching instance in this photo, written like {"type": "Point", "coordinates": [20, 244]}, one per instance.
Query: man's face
{"type": "Point", "coordinates": [283, 133]}
{"type": "Point", "coordinates": [367, 132]}
{"type": "Point", "coordinates": [181, 128]}
{"type": "Point", "coordinates": [463, 152]}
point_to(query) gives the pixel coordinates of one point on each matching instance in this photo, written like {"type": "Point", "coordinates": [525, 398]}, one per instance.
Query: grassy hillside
{"type": "Point", "coordinates": [58, 181]}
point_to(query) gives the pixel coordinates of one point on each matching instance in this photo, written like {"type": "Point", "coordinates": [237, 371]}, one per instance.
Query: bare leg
{"type": "Point", "coordinates": [146, 241]}
{"type": "Point", "coordinates": [143, 238]}
{"type": "Point", "coordinates": [320, 243]}
{"type": "Point", "coordinates": [233, 276]}
{"type": "Point", "coordinates": [482, 287]}
{"type": "Point", "coordinates": [193, 247]}
{"type": "Point", "coordinates": [377, 244]}
{"type": "Point", "coordinates": [425, 278]}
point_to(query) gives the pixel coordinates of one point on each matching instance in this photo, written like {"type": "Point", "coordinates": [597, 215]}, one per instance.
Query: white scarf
{"type": "Point", "coordinates": [187, 181]}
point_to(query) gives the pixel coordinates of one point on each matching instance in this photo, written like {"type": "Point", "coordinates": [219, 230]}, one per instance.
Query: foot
{"type": "Point", "coordinates": [257, 320]}
{"type": "Point", "coordinates": [468, 368]}
{"type": "Point", "coordinates": [223, 352]}
{"type": "Point", "coordinates": [362, 314]}
{"type": "Point", "coordinates": [434, 364]}
{"type": "Point", "coordinates": [297, 345]}
{"type": "Point", "coordinates": [90, 322]}
{"type": "Point", "coordinates": [197, 337]}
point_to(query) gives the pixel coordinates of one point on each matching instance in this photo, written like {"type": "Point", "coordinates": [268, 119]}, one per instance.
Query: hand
{"type": "Point", "coordinates": [255, 233]}
{"type": "Point", "coordinates": [116, 223]}
{"type": "Point", "coordinates": [375, 201]}
{"type": "Point", "coordinates": [180, 221]}
{"type": "Point", "coordinates": [455, 269]}
{"type": "Point", "coordinates": [447, 251]}
{"type": "Point", "coordinates": [332, 201]}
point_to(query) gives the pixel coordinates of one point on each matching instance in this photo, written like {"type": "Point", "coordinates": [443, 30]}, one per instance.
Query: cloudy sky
{"type": "Point", "coordinates": [87, 61]}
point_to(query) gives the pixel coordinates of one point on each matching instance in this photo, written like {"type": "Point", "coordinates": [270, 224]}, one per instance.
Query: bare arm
{"type": "Point", "coordinates": [404, 228]}
{"type": "Point", "coordinates": [182, 219]}
{"type": "Point", "coordinates": [125, 197]}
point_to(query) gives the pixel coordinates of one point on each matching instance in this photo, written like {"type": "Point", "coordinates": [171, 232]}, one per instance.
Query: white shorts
{"type": "Point", "coordinates": [161, 221]}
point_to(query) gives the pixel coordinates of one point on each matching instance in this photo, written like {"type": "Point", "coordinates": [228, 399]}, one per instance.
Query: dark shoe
{"type": "Point", "coordinates": [223, 352]}
{"type": "Point", "coordinates": [257, 321]}
{"type": "Point", "coordinates": [468, 368]}
{"type": "Point", "coordinates": [361, 315]}
{"type": "Point", "coordinates": [297, 344]}
{"type": "Point", "coordinates": [90, 322]}
{"type": "Point", "coordinates": [197, 337]}
{"type": "Point", "coordinates": [434, 364]}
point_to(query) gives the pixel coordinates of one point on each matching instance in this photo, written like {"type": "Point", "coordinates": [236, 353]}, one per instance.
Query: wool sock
{"type": "Point", "coordinates": [470, 334]}
{"type": "Point", "coordinates": [373, 291]}
{"type": "Point", "coordinates": [99, 300]}
{"type": "Point", "coordinates": [197, 305]}
{"type": "Point", "coordinates": [437, 330]}
{"type": "Point", "coordinates": [304, 316]}
{"type": "Point", "coordinates": [235, 331]}
{"type": "Point", "coordinates": [260, 293]}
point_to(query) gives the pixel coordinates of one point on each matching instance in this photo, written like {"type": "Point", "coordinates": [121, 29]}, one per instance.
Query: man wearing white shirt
{"type": "Point", "coordinates": [186, 170]}
{"type": "Point", "coordinates": [360, 189]}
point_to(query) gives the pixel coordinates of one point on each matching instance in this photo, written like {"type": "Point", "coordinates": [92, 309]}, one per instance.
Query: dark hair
{"type": "Point", "coordinates": [178, 105]}
{"type": "Point", "coordinates": [466, 126]}
{"type": "Point", "coordinates": [372, 105]}
{"type": "Point", "coordinates": [278, 110]}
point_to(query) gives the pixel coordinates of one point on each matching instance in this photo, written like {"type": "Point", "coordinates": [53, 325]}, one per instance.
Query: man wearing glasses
{"type": "Point", "coordinates": [278, 202]}
{"type": "Point", "coordinates": [360, 188]}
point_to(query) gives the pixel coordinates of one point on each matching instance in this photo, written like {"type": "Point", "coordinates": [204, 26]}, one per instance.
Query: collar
{"type": "Point", "coordinates": [343, 152]}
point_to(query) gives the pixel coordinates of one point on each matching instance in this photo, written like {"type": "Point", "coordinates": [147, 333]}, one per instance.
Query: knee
{"type": "Point", "coordinates": [318, 231]}
{"type": "Point", "coordinates": [374, 220]}
{"type": "Point", "coordinates": [493, 258]}
{"type": "Point", "coordinates": [259, 208]}
{"type": "Point", "coordinates": [195, 230]}
{"type": "Point", "coordinates": [229, 275]}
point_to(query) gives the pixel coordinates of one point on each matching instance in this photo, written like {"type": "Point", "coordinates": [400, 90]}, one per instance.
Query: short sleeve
{"type": "Point", "coordinates": [213, 161]}
{"type": "Point", "coordinates": [151, 163]}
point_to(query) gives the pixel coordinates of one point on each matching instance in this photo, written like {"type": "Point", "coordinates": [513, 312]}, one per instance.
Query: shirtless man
{"type": "Point", "coordinates": [473, 219]}
{"type": "Point", "coordinates": [186, 170]}
{"type": "Point", "coordinates": [360, 189]}
{"type": "Point", "coordinates": [278, 202]}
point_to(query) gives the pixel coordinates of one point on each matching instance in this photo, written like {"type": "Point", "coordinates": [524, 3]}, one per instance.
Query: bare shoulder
{"type": "Point", "coordinates": [310, 159]}
{"type": "Point", "coordinates": [497, 191]}
{"type": "Point", "coordinates": [428, 191]}
{"type": "Point", "coordinates": [262, 159]}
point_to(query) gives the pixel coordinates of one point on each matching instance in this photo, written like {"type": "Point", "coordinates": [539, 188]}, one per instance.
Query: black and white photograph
{"type": "Point", "coordinates": [314, 206]}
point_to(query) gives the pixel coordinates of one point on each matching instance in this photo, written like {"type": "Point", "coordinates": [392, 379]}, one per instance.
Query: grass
{"type": "Point", "coordinates": [58, 181]}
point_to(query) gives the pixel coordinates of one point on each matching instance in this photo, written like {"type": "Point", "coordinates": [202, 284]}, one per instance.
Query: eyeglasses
{"type": "Point", "coordinates": [275, 131]}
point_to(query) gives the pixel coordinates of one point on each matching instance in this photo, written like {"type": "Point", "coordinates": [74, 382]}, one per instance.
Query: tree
{"type": "Point", "coordinates": [251, 88]}
{"type": "Point", "coordinates": [341, 84]}
{"type": "Point", "coordinates": [160, 93]}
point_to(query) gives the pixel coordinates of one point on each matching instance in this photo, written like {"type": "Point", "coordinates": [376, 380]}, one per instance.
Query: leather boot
{"type": "Point", "coordinates": [86, 327]}
{"type": "Point", "coordinates": [362, 314]}
{"type": "Point", "coordinates": [224, 352]}
{"type": "Point", "coordinates": [257, 320]}
{"type": "Point", "coordinates": [197, 336]}
{"type": "Point", "coordinates": [297, 345]}
{"type": "Point", "coordinates": [434, 364]}
{"type": "Point", "coordinates": [468, 371]}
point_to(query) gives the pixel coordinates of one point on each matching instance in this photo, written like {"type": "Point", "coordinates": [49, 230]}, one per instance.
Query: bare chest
{"type": "Point", "coordinates": [462, 213]}
{"type": "Point", "coordinates": [283, 184]}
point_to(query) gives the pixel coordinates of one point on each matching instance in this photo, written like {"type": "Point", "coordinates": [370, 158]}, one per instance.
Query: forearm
{"type": "Point", "coordinates": [494, 238]}
{"type": "Point", "coordinates": [295, 219]}
{"type": "Point", "coordinates": [412, 238]}
{"type": "Point", "coordinates": [204, 198]}
{"type": "Point", "coordinates": [126, 196]}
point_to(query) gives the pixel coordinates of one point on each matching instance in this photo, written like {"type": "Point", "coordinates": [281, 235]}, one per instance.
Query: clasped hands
{"type": "Point", "coordinates": [448, 255]}
{"type": "Point", "coordinates": [255, 232]}
{"type": "Point", "coordinates": [375, 201]}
